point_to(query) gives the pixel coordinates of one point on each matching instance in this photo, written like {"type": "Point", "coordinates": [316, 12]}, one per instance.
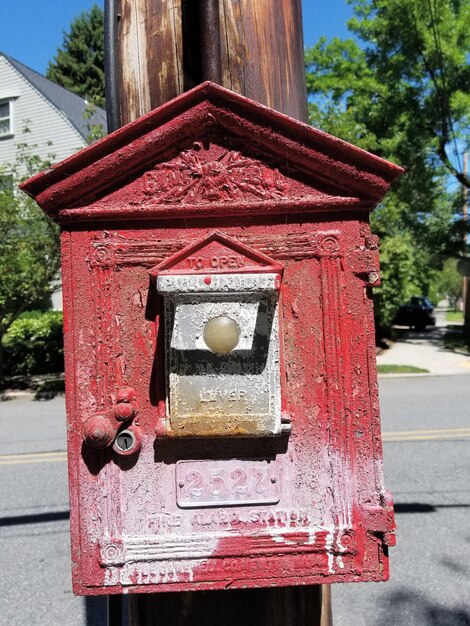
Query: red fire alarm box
{"type": "Point", "coordinates": [223, 420]}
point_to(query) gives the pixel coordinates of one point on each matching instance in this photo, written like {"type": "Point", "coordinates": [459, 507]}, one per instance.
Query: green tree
{"type": "Point", "coordinates": [29, 246]}
{"type": "Point", "coordinates": [399, 279]}
{"type": "Point", "coordinates": [79, 64]}
{"type": "Point", "coordinates": [403, 93]}
{"type": "Point", "coordinates": [449, 282]}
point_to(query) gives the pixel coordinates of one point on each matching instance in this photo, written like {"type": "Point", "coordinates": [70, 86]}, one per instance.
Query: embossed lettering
{"type": "Point", "coordinates": [164, 521]}
{"type": "Point", "coordinates": [222, 262]}
{"type": "Point", "coordinates": [240, 478]}
{"type": "Point", "coordinates": [194, 480]}
{"type": "Point", "coordinates": [217, 485]}
{"type": "Point", "coordinates": [196, 262]}
{"type": "Point", "coordinates": [226, 484]}
{"type": "Point", "coordinates": [222, 395]}
{"type": "Point", "coordinates": [276, 518]}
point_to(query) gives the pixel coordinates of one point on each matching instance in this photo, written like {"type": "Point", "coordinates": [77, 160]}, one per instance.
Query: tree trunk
{"type": "Point", "coordinates": [465, 280]}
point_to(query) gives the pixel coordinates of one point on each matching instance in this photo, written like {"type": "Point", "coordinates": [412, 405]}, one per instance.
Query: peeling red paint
{"type": "Point", "coordinates": [301, 507]}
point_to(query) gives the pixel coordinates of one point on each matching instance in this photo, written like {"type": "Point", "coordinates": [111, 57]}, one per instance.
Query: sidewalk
{"type": "Point", "coordinates": [425, 350]}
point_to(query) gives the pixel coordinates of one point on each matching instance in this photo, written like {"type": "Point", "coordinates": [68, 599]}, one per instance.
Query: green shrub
{"type": "Point", "coordinates": [34, 344]}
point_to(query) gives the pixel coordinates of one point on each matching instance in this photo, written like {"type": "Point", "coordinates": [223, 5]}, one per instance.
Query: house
{"type": "Point", "coordinates": [55, 118]}
{"type": "Point", "coordinates": [52, 121]}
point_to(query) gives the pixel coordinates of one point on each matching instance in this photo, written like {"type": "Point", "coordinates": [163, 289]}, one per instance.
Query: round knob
{"type": "Point", "coordinates": [125, 394]}
{"type": "Point", "coordinates": [221, 334]}
{"type": "Point", "coordinates": [98, 432]}
{"type": "Point", "coordinates": [123, 412]}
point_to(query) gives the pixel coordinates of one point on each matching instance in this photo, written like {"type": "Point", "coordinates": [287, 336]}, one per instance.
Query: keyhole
{"type": "Point", "coordinates": [125, 441]}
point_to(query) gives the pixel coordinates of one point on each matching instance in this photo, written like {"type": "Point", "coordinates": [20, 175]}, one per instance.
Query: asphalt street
{"type": "Point", "coordinates": [35, 580]}
{"type": "Point", "coordinates": [426, 424]}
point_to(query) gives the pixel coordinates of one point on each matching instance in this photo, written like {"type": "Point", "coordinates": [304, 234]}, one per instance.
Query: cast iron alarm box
{"type": "Point", "coordinates": [223, 420]}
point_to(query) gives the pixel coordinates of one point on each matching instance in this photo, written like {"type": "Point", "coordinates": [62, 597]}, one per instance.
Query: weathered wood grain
{"type": "Point", "coordinates": [262, 53]}
{"type": "Point", "coordinates": [150, 55]}
{"type": "Point", "coordinates": [160, 51]}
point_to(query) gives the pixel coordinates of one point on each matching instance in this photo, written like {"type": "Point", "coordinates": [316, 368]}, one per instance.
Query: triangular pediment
{"type": "Point", "coordinates": [214, 254]}
{"type": "Point", "coordinates": [207, 150]}
{"type": "Point", "coordinates": [210, 177]}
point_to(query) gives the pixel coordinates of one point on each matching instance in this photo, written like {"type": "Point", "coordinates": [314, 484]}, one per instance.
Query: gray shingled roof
{"type": "Point", "coordinates": [71, 105]}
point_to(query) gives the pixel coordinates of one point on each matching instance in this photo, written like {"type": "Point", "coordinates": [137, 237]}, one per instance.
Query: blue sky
{"type": "Point", "coordinates": [32, 30]}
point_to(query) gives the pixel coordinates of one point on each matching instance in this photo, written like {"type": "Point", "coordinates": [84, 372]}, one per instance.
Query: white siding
{"type": "Point", "coordinates": [56, 299]}
{"type": "Point", "coordinates": [45, 122]}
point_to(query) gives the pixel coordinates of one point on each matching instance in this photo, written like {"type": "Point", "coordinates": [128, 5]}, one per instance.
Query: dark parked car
{"type": "Point", "coordinates": [417, 313]}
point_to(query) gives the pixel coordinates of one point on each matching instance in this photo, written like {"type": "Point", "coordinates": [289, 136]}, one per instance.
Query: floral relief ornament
{"type": "Point", "coordinates": [213, 174]}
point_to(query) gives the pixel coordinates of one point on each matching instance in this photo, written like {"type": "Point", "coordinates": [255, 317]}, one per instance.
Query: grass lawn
{"type": "Point", "coordinates": [401, 369]}
{"type": "Point", "coordinates": [454, 316]}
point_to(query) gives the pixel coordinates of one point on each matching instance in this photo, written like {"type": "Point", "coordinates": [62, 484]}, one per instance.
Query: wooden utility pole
{"type": "Point", "coordinates": [156, 50]}
{"type": "Point", "coordinates": [159, 49]}
{"type": "Point", "coordinates": [284, 606]}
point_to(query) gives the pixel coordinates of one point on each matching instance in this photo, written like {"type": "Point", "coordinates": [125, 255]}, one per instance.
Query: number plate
{"type": "Point", "coordinates": [227, 482]}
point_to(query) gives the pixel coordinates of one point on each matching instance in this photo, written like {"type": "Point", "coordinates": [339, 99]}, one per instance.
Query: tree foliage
{"type": "Point", "coordinates": [29, 246]}
{"type": "Point", "coordinates": [79, 64]}
{"type": "Point", "coordinates": [401, 89]}
{"type": "Point", "coordinates": [406, 91]}
{"type": "Point", "coordinates": [449, 282]}
{"type": "Point", "coordinates": [34, 344]}
{"type": "Point", "coordinates": [399, 280]}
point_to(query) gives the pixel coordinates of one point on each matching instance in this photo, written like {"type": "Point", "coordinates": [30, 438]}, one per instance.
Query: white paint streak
{"type": "Point", "coordinates": [328, 547]}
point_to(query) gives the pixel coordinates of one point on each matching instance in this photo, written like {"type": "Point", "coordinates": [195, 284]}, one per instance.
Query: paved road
{"type": "Point", "coordinates": [34, 528]}
{"type": "Point", "coordinates": [427, 471]}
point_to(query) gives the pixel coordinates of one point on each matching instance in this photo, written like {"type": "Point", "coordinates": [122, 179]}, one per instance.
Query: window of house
{"type": "Point", "coordinates": [6, 127]}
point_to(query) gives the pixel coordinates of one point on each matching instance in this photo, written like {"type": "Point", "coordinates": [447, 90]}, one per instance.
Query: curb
{"type": "Point", "coordinates": [422, 374]}
{"type": "Point", "coordinates": [12, 394]}
{"type": "Point", "coordinates": [15, 395]}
